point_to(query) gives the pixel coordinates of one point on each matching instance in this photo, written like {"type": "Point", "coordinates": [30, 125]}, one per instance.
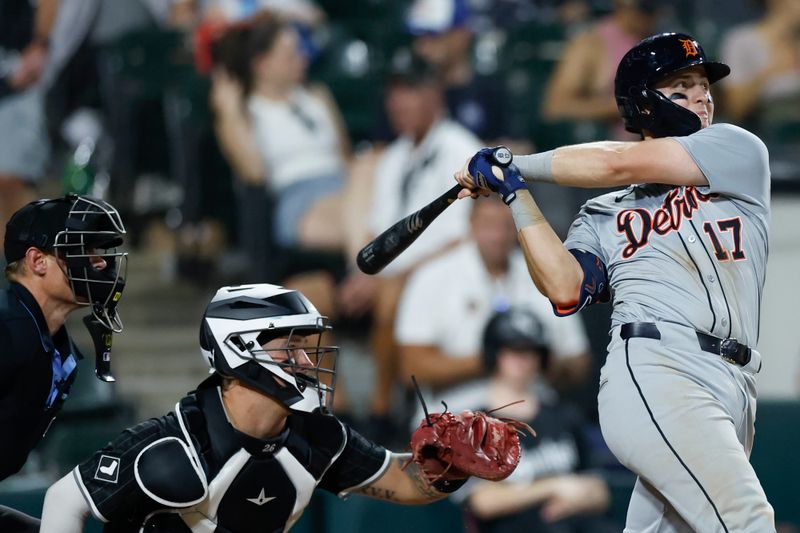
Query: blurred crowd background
{"type": "Point", "coordinates": [268, 140]}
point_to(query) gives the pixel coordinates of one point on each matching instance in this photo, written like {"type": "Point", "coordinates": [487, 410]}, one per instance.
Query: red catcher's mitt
{"type": "Point", "coordinates": [450, 447]}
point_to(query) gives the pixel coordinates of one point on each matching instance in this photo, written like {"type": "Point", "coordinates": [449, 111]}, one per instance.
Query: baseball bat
{"type": "Point", "coordinates": [385, 247]}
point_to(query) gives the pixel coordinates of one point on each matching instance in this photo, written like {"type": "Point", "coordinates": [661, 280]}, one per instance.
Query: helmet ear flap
{"type": "Point", "coordinates": [649, 110]}
{"type": "Point", "coordinates": [207, 343]}
{"type": "Point", "coordinates": [668, 118]}
{"type": "Point", "coordinates": [637, 110]}
{"type": "Point", "coordinates": [206, 337]}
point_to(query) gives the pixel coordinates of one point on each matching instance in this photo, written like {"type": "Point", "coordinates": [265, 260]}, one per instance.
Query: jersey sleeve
{"type": "Point", "coordinates": [360, 463]}
{"type": "Point", "coordinates": [734, 161]}
{"type": "Point", "coordinates": [584, 243]}
{"type": "Point", "coordinates": [107, 479]}
{"type": "Point", "coordinates": [583, 234]}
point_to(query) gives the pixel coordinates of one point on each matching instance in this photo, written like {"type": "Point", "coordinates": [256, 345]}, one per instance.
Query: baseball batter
{"type": "Point", "coordinates": [682, 254]}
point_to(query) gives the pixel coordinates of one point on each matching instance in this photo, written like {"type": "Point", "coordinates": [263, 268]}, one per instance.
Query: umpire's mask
{"type": "Point", "coordinates": [78, 230]}
{"type": "Point", "coordinates": [94, 230]}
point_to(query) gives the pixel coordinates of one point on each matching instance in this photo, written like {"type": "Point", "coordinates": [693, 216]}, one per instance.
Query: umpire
{"type": "Point", "coordinates": [61, 256]}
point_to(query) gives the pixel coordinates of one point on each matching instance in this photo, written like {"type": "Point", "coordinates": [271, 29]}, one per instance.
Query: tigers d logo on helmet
{"type": "Point", "coordinates": [689, 47]}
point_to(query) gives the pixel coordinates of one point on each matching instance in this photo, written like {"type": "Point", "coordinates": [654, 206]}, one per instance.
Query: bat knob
{"type": "Point", "coordinates": [502, 156]}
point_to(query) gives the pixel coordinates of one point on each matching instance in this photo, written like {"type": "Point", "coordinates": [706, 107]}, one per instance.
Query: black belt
{"type": "Point", "coordinates": [729, 349]}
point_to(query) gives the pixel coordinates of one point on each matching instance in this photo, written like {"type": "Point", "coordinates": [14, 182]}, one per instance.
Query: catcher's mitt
{"type": "Point", "coordinates": [451, 447]}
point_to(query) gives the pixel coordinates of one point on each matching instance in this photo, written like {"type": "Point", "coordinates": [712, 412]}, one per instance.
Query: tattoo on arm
{"type": "Point", "coordinates": [421, 483]}
{"type": "Point", "coordinates": [381, 494]}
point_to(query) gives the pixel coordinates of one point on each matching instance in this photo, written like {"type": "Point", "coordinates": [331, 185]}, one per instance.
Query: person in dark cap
{"type": "Point", "coordinates": [442, 32]}
{"type": "Point", "coordinates": [61, 256]}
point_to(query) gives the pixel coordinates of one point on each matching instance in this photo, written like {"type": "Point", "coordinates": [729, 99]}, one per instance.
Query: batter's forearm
{"type": "Point", "coordinates": [553, 269]}
{"type": "Point", "coordinates": [614, 164]}
{"type": "Point", "coordinates": [589, 165]}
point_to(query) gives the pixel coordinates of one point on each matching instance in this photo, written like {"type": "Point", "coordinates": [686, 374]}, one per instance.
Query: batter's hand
{"type": "Point", "coordinates": [492, 168]}
{"type": "Point", "coordinates": [470, 189]}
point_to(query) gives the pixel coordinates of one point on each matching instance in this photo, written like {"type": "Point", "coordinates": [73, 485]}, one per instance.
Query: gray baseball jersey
{"type": "Point", "coordinates": [689, 255]}
{"type": "Point", "coordinates": [686, 259]}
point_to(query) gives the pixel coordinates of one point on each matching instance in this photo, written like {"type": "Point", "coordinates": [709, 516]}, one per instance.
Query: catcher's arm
{"type": "Point", "coordinates": [65, 510]}
{"type": "Point", "coordinates": [403, 484]}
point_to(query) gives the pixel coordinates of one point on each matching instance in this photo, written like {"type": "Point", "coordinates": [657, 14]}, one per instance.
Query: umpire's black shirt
{"type": "Point", "coordinates": [29, 396]}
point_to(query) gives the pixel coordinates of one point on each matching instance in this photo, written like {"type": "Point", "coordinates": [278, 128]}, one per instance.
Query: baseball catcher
{"type": "Point", "coordinates": [245, 451]}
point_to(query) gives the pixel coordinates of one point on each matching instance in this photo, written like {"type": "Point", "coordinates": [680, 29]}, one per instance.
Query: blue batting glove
{"type": "Point", "coordinates": [492, 169]}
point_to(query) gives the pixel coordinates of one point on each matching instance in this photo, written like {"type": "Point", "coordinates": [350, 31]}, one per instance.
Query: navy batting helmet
{"type": "Point", "coordinates": [515, 328]}
{"type": "Point", "coordinates": [649, 62]}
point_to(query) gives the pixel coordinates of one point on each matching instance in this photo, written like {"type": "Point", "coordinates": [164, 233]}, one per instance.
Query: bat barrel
{"type": "Point", "coordinates": [388, 245]}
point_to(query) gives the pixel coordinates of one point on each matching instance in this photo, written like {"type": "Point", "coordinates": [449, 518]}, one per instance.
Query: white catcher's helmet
{"type": "Point", "coordinates": [241, 319]}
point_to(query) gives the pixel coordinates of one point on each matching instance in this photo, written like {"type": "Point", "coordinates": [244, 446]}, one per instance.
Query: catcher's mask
{"type": "Point", "coordinates": [79, 230]}
{"type": "Point", "coordinates": [647, 63]}
{"type": "Point", "coordinates": [270, 338]}
{"type": "Point", "coordinates": [515, 328]}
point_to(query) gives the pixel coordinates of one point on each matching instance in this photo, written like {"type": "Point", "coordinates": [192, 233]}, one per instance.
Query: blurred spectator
{"type": "Point", "coordinates": [211, 18]}
{"type": "Point", "coordinates": [508, 14]}
{"type": "Point", "coordinates": [439, 337]}
{"type": "Point", "coordinates": [302, 11]}
{"type": "Point", "coordinates": [278, 133]}
{"type": "Point", "coordinates": [442, 36]}
{"type": "Point", "coordinates": [764, 86]}
{"type": "Point", "coordinates": [413, 170]}
{"type": "Point", "coordinates": [24, 48]}
{"type": "Point", "coordinates": [553, 489]}
{"type": "Point", "coordinates": [582, 86]}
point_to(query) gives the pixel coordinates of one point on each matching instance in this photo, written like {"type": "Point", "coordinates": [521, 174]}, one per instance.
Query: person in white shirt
{"type": "Point", "coordinates": [280, 133]}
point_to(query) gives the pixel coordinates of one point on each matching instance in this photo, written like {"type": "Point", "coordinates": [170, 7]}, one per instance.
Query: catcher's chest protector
{"type": "Point", "coordinates": [245, 484]}
{"type": "Point", "coordinates": [256, 485]}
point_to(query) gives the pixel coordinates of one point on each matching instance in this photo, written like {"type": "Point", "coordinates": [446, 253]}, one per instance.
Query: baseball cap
{"type": "Point", "coordinates": [433, 17]}
{"type": "Point", "coordinates": [35, 224]}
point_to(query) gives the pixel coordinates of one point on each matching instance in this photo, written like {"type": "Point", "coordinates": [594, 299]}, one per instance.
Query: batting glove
{"type": "Point", "coordinates": [492, 169]}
